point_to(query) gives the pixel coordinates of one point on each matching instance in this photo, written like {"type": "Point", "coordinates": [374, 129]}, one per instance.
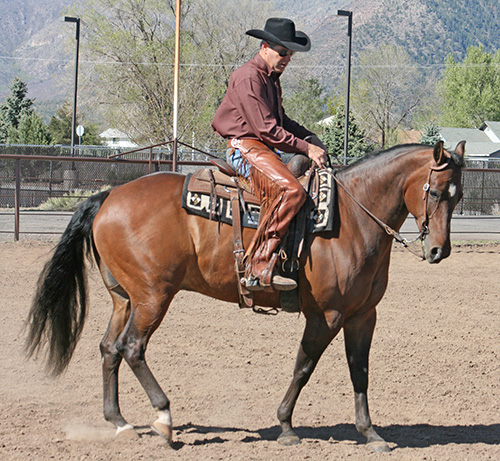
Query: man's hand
{"type": "Point", "coordinates": [316, 151]}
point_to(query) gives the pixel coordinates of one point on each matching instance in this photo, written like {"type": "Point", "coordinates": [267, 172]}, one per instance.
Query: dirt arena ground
{"type": "Point", "coordinates": [434, 376]}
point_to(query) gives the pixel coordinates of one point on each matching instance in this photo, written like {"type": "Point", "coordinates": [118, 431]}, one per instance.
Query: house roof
{"type": "Point", "coordinates": [492, 129]}
{"type": "Point", "coordinates": [326, 121]}
{"type": "Point", "coordinates": [483, 142]}
{"type": "Point", "coordinates": [113, 133]}
{"type": "Point", "coordinates": [481, 148]}
{"type": "Point", "coordinates": [455, 135]}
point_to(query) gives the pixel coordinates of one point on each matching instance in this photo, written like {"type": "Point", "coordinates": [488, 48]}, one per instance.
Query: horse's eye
{"type": "Point", "coordinates": [435, 194]}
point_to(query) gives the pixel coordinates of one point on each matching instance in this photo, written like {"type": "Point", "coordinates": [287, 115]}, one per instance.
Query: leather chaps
{"type": "Point", "coordinates": [281, 197]}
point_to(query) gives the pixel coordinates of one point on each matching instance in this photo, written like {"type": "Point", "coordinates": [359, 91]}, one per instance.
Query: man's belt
{"type": "Point", "coordinates": [245, 145]}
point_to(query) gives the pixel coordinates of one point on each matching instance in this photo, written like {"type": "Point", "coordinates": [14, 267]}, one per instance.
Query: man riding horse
{"type": "Point", "coordinates": [252, 118]}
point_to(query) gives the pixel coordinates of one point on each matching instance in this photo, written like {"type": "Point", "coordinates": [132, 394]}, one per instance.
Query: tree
{"type": "Point", "coordinates": [14, 107]}
{"type": "Point", "coordinates": [308, 105]}
{"type": "Point", "coordinates": [132, 45]}
{"type": "Point", "coordinates": [334, 134]}
{"type": "Point", "coordinates": [91, 135]}
{"type": "Point", "coordinates": [30, 130]}
{"type": "Point", "coordinates": [470, 90]}
{"type": "Point", "coordinates": [431, 135]}
{"type": "Point", "coordinates": [61, 124]}
{"type": "Point", "coordinates": [386, 94]}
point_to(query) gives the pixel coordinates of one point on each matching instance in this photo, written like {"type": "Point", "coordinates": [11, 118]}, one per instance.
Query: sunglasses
{"type": "Point", "coordinates": [282, 51]}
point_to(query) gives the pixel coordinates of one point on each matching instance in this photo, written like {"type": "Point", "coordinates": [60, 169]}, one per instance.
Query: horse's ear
{"type": "Point", "coordinates": [439, 156]}
{"type": "Point", "coordinates": [458, 154]}
{"type": "Point", "coordinates": [460, 149]}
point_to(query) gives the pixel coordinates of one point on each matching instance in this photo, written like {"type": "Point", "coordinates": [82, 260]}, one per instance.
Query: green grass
{"type": "Point", "coordinates": [68, 202]}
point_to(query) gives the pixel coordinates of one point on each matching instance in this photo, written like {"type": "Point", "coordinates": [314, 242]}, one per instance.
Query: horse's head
{"type": "Point", "coordinates": [431, 196]}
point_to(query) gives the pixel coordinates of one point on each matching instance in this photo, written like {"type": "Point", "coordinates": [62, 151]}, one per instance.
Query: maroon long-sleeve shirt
{"type": "Point", "coordinates": [252, 109]}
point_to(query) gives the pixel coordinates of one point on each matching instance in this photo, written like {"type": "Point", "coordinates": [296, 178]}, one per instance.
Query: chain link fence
{"type": "Point", "coordinates": [32, 175]}
{"type": "Point", "coordinates": [55, 171]}
{"type": "Point", "coordinates": [481, 184]}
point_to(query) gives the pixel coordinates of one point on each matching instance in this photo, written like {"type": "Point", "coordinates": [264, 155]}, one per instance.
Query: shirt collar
{"type": "Point", "coordinates": [264, 67]}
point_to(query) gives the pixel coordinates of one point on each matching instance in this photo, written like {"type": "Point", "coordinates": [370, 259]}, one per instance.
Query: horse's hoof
{"type": "Point", "coordinates": [379, 446]}
{"type": "Point", "coordinates": [128, 433]}
{"type": "Point", "coordinates": [288, 440]}
{"type": "Point", "coordinates": [163, 431]}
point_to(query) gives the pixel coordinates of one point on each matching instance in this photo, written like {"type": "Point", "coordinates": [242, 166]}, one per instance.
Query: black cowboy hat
{"type": "Point", "coordinates": [281, 31]}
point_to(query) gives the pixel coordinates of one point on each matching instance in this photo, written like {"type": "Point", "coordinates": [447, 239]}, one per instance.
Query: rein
{"type": "Point", "coordinates": [389, 230]}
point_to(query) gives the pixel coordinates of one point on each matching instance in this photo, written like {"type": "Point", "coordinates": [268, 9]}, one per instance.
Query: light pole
{"type": "Point", "coordinates": [348, 91]}
{"type": "Point", "coordinates": [73, 123]}
{"type": "Point", "coordinates": [176, 82]}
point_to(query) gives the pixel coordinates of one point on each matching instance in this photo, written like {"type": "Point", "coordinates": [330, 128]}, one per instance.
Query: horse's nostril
{"type": "Point", "coordinates": [436, 254]}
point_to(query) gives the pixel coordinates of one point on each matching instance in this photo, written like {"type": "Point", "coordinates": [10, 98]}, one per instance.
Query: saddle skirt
{"type": "Point", "coordinates": [219, 196]}
{"type": "Point", "coordinates": [207, 193]}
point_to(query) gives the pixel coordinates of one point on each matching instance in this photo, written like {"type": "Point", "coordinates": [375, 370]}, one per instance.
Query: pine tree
{"type": "Point", "coordinates": [334, 132]}
{"type": "Point", "coordinates": [431, 135]}
{"type": "Point", "coordinates": [14, 107]}
{"type": "Point", "coordinates": [91, 136]}
{"type": "Point", "coordinates": [30, 130]}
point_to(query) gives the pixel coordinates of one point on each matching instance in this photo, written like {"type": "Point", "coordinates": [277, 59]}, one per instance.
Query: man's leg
{"type": "Point", "coordinates": [281, 197]}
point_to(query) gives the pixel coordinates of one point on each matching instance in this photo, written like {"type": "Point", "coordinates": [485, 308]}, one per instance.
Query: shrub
{"type": "Point", "coordinates": [69, 201]}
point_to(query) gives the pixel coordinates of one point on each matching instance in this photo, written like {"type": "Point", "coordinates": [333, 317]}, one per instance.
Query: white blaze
{"type": "Point", "coordinates": [452, 190]}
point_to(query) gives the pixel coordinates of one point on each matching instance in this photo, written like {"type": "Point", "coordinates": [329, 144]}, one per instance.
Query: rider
{"type": "Point", "coordinates": [252, 118]}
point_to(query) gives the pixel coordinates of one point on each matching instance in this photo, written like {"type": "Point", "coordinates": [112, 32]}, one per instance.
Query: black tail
{"type": "Point", "coordinates": [59, 308]}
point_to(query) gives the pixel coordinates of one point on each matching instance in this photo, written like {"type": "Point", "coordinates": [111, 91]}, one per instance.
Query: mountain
{"type": "Point", "coordinates": [38, 46]}
{"type": "Point", "coordinates": [33, 43]}
{"type": "Point", "coordinates": [428, 29]}
{"type": "Point", "coordinates": [31, 40]}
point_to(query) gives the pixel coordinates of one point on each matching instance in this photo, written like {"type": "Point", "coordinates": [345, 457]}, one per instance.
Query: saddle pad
{"type": "Point", "coordinates": [320, 219]}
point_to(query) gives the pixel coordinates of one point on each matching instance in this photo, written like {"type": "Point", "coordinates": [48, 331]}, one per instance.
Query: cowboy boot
{"type": "Point", "coordinates": [261, 274]}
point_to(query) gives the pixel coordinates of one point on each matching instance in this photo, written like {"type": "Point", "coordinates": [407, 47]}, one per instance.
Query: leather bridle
{"type": "Point", "coordinates": [425, 198]}
{"type": "Point", "coordinates": [389, 230]}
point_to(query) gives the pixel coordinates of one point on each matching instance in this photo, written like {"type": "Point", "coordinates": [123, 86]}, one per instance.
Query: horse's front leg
{"type": "Point", "coordinates": [319, 332]}
{"type": "Point", "coordinates": [358, 333]}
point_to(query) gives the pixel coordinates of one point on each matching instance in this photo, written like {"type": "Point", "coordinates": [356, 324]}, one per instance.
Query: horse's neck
{"type": "Point", "coordinates": [378, 184]}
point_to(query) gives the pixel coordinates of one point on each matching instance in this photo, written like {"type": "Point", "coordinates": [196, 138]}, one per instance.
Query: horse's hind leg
{"type": "Point", "coordinates": [111, 357]}
{"type": "Point", "coordinates": [145, 317]}
{"type": "Point", "coordinates": [358, 333]}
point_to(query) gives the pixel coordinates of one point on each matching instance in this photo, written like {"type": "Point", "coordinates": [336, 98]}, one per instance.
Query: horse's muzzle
{"type": "Point", "coordinates": [435, 254]}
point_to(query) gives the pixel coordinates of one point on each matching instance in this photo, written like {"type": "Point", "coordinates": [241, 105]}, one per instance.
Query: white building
{"type": "Point", "coordinates": [116, 138]}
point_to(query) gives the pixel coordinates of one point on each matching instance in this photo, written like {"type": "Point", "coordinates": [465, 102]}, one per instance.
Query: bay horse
{"type": "Point", "coordinates": [148, 248]}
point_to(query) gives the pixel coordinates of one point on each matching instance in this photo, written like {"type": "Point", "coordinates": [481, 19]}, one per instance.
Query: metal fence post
{"type": "Point", "coordinates": [482, 192]}
{"type": "Point", "coordinates": [17, 200]}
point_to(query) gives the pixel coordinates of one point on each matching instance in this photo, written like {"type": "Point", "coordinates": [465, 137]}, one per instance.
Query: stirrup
{"type": "Point", "coordinates": [281, 283]}
{"type": "Point", "coordinates": [252, 283]}
{"type": "Point", "coordinates": [278, 283]}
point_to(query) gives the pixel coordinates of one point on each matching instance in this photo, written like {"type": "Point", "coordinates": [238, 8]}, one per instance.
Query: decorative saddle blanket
{"type": "Point", "coordinates": [207, 193]}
